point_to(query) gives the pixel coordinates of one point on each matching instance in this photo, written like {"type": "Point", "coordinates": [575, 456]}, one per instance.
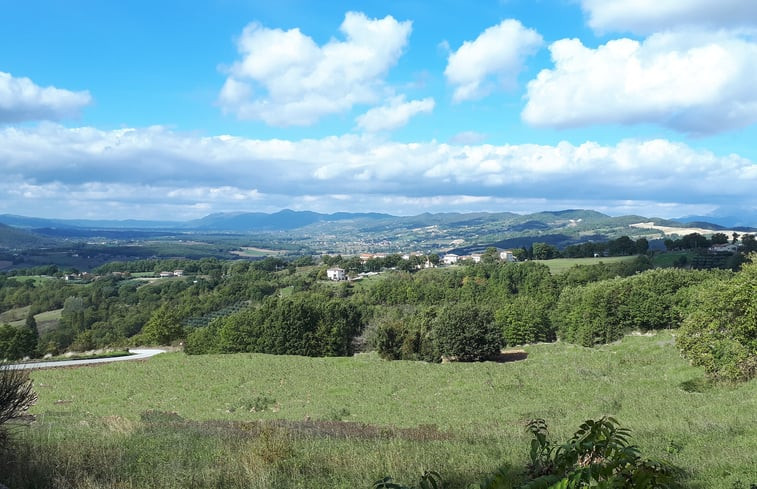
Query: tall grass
{"type": "Point", "coordinates": [253, 420]}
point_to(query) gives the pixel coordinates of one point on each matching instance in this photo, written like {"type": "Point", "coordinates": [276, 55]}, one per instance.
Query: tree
{"type": "Point", "coordinates": [525, 320]}
{"type": "Point", "coordinates": [544, 251]}
{"type": "Point", "coordinates": [466, 332]}
{"type": "Point", "coordinates": [163, 327]}
{"type": "Point", "coordinates": [719, 238]}
{"type": "Point", "coordinates": [642, 246]}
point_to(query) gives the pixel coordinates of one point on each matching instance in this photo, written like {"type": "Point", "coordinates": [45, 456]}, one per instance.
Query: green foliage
{"type": "Point", "coordinates": [602, 312]}
{"type": "Point", "coordinates": [163, 327]}
{"type": "Point", "coordinates": [466, 332]}
{"type": "Point", "coordinates": [720, 332]}
{"type": "Point", "coordinates": [599, 454]}
{"type": "Point", "coordinates": [302, 324]}
{"type": "Point", "coordinates": [525, 320]}
{"type": "Point", "coordinates": [17, 342]}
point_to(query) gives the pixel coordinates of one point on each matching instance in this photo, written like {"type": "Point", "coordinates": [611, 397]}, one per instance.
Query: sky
{"type": "Point", "coordinates": [173, 110]}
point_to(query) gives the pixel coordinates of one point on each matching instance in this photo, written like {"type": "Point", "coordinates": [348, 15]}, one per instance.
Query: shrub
{"type": "Point", "coordinates": [466, 332]}
{"type": "Point", "coordinates": [598, 454]}
{"type": "Point", "coordinates": [16, 396]}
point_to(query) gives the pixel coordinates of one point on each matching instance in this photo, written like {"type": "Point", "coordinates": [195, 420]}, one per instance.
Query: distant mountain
{"type": "Point", "coordinates": [284, 220]}
{"type": "Point", "coordinates": [25, 222]}
{"type": "Point", "coordinates": [742, 222]}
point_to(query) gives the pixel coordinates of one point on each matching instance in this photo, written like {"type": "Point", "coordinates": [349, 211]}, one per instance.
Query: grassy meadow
{"type": "Point", "coordinates": [559, 265]}
{"type": "Point", "coordinates": [263, 421]}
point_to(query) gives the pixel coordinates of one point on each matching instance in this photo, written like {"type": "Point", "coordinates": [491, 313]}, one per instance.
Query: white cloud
{"type": "Point", "coordinates": [23, 100]}
{"type": "Point", "coordinates": [496, 53]}
{"type": "Point", "coordinates": [51, 169]}
{"type": "Point", "coordinates": [284, 78]}
{"type": "Point", "coordinates": [648, 16]}
{"type": "Point", "coordinates": [691, 81]}
{"type": "Point", "coordinates": [394, 114]}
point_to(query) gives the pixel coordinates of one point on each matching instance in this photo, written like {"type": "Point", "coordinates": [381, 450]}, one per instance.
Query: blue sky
{"type": "Point", "coordinates": [173, 110]}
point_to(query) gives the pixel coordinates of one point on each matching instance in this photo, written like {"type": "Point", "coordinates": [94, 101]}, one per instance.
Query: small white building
{"type": "Point", "coordinates": [336, 274]}
{"type": "Point", "coordinates": [507, 255]}
{"type": "Point", "coordinates": [166, 274]}
{"type": "Point", "coordinates": [476, 257]}
{"type": "Point", "coordinates": [450, 259]}
{"type": "Point", "coordinates": [178, 273]}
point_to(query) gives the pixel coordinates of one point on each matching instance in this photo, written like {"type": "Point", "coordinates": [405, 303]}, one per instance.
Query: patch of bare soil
{"type": "Point", "coordinates": [511, 356]}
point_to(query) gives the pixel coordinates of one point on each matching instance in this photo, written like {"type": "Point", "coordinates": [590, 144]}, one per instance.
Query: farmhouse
{"type": "Point", "coordinates": [166, 274]}
{"type": "Point", "coordinates": [476, 257]}
{"type": "Point", "coordinates": [450, 259]}
{"type": "Point", "coordinates": [178, 273]}
{"type": "Point", "coordinates": [336, 274]}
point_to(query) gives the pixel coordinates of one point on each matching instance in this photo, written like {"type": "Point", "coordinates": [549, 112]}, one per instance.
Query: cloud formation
{"type": "Point", "coordinates": [22, 100]}
{"type": "Point", "coordinates": [689, 81]}
{"type": "Point", "coordinates": [104, 171]}
{"type": "Point", "coordinates": [492, 60]}
{"type": "Point", "coordinates": [648, 16]}
{"type": "Point", "coordinates": [394, 114]}
{"type": "Point", "coordinates": [285, 78]}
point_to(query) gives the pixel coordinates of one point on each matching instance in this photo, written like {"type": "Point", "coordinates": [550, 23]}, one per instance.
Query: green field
{"type": "Point", "coordinates": [46, 321]}
{"type": "Point", "coordinates": [559, 265]}
{"type": "Point", "coordinates": [15, 314]}
{"type": "Point", "coordinates": [255, 421]}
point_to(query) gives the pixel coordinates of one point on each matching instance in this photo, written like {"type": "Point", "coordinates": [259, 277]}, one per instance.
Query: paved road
{"type": "Point", "coordinates": [139, 354]}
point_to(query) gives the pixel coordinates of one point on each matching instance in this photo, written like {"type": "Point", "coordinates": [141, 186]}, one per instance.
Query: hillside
{"type": "Point", "coordinates": [13, 238]}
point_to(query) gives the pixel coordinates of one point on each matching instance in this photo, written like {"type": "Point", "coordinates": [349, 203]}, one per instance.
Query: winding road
{"type": "Point", "coordinates": [139, 354]}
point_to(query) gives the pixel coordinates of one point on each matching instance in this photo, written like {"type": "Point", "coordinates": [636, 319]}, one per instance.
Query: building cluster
{"type": "Point", "coordinates": [175, 273]}
{"type": "Point", "coordinates": [451, 258]}
{"type": "Point", "coordinates": [336, 273]}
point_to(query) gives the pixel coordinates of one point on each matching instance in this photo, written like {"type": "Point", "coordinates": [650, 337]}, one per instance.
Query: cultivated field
{"type": "Point", "coordinates": [262, 421]}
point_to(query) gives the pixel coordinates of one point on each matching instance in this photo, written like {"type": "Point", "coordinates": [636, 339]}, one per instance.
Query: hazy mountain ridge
{"type": "Point", "coordinates": [346, 232]}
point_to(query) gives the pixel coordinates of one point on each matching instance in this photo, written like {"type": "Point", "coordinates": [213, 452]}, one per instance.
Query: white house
{"type": "Point", "coordinates": [336, 274]}
{"type": "Point", "coordinates": [450, 259]}
{"type": "Point", "coordinates": [476, 257]}
{"type": "Point", "coordinates": [506, 255]}
{"type": "Point", "coordinates": [166, 274]}
{"type": "Point", "coordinates": [178, 273]}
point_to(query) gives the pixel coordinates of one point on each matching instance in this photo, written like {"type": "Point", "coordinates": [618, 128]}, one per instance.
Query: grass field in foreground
{"type": "Point", "coordinates": [255, 421]}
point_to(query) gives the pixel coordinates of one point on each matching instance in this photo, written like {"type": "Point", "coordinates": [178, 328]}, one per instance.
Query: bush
{"type": "Point", "coordinates": [16, 396]}
{"type": "Point", "coordinates": [466, 332]}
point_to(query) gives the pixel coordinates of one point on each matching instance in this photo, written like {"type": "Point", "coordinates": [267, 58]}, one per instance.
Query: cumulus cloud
{"type": "Point", "coordinates": [285, 78]}
{"type": "Point", "coordinates": [493, 59]}
{"type": "Point", "coordinates": [396, 113]}
{"type": "Point", "coordinates": [22, 100]}
{"type": "Point", "coordinates": [648, 16]}
{"type": "Point", "coordinates": [694, 82]}
{"type": "Point", "coordinates": [107, 170]}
